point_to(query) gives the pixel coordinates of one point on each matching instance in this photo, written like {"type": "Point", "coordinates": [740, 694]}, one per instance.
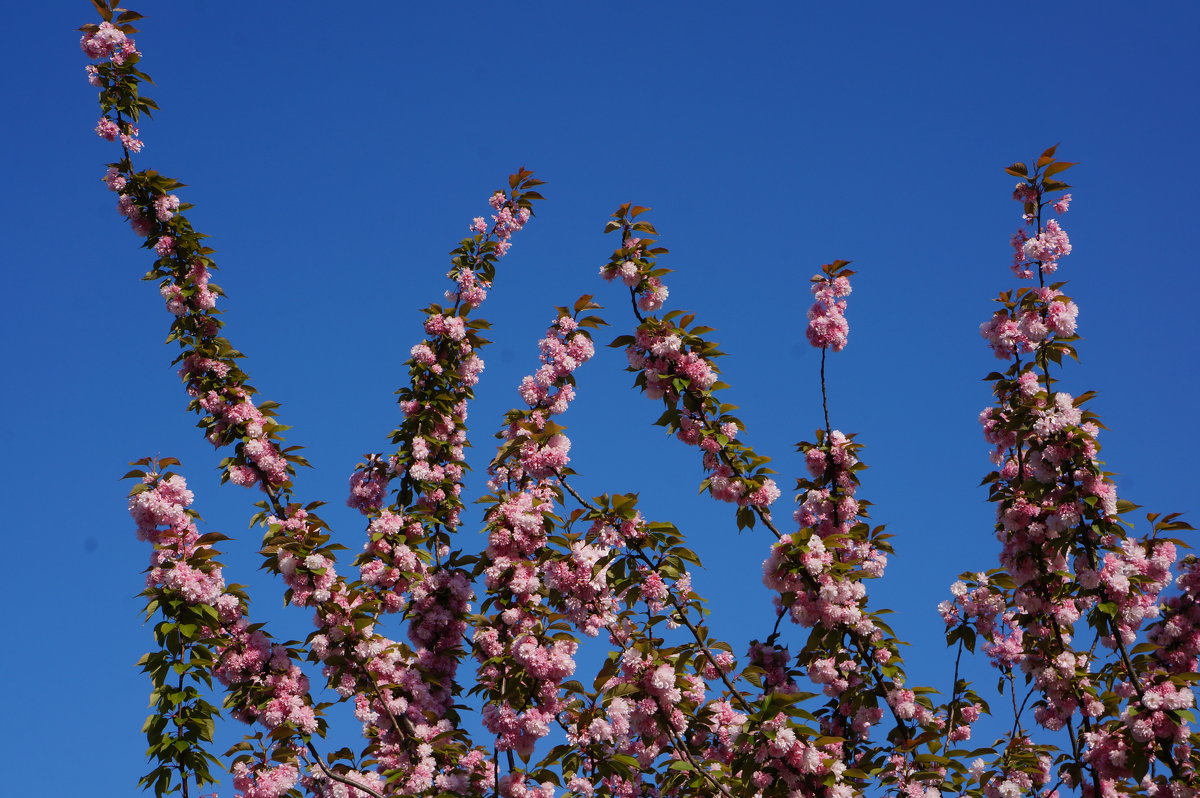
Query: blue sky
{"type": "Point", "coordinates": [336, 157]}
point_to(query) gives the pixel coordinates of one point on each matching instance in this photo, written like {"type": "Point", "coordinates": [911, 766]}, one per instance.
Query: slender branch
{"type": "Point", "coordinates": [183, 776]}
{"type": "Point", "coordinates": [953, 696]}
{"type": "Point", "coordinates": [679, 609]}
{"type": "Point", "coordinates": [396, 723]}
{"type": "Point", "coordinates": [336, 777]}
{"type": "Point", "coordinates": [1074, 741]}
{"type": "Point", "coordinates": [633, 304]}
{"type": "Point", "coordinates": [824, 395]}
{"type": "Point", "coordinates": [765, 517]}
{"type": "Point", "coordinates": [562, 480]}
{"type": "Point", "coordinates": [681, 746]}
{"type": "Point", "coordinates": [1012, 692]}
{"type": "Point", "coordinates": [682, 613]}
{"type": "Point", "coordinates": [771, 638]}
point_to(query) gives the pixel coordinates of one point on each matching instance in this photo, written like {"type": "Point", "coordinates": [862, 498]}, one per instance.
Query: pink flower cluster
{"type": "Point", "coordinates": [216, 385]}
{"type": "Point", "coordinates": [367, 490]}
{"type": "Point", "coordinates": [1042, 314]}
{"type": "Point", "coordinates": [982, 605]}
{"type": "Point", "coordinates": [235, 418]}
{"type": "Point", "coordinates": [508, 219]}
{"type": "Point", "coordinates": [663, 356]}
{"type": "Point", "coordinates": [273, 690]}
{"type": "Point", "coordinates": [815, 566]}
{"type": "Point", "coordinates": [827, 325]}
{"type": "Point", "coordinates": [1048, 247]}
{"type": "Point", "coordinates": [398, 692]}
{"type": "Point", "coordinates": [581, 585]}
{"type": "Point", "coordinates": [1048, 244]}
{"type": "Point", "coordinates": [407, 695]}
{"type": "Point", "coordinates": [109, 130]}
{"type": "Point", "coordinates": [395, 566]}
{"type": "Point", "coordinates": [433, 462]}
{"type": "Point", "coordinates": [802, 765]}
{"type": "Point", "coordinates": [1132, 577]}
{"type": "Point", "coordinates": [431, 454]}
{"type": "Point", "coordinates": [636, 270]}
{"type": "Point", "coordinates": [265, 781]}
{"type": "Point", "coordinates": [1176, 636]}
{"type": "Point", "coordinates": [279, 692]}
{"type": "Point", "coordinates": [676, 365]}
{"type": "Point", "coordinates": [176, 546]}
{"type": "Point", "coordinates": [369, 483]}
{"type": "Point", "coordinates": [541, 450]}
{"type": "Point", "coordinates": [670, 368]}
{"type": "Point", "coordinates": [564, 349]}
{"type": "Point", "coordinates": [1015, 780]}
{"type": "Point", "coordinates": [321, 786]}
{"type": "Point", "coordinates": [140, 221]}
{"type": "Point", "coordinates": [108, 41]}
{"type": "Point", "coordinates": [1055, 457]}
{"type": "Point", "coordinates": [1066, 556]}
{"type": "Point", "coordinates": [644, 718]}
{"type": "Point", "coordinates": [523, 664]}
{"type": "Point", "coordinates": [391, 564]}
{"type": "Point", "coordinates": [513, 643]}
{"type": "Point", "coordinates": [470, 290]}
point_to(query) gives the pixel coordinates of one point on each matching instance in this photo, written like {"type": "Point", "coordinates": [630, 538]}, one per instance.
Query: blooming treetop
{"type": "Point", "coordinates": [1102, 626]}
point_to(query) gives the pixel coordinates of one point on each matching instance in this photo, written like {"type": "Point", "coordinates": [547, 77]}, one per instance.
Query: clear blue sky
{"type": "Point", "coordinates": [336, 157]}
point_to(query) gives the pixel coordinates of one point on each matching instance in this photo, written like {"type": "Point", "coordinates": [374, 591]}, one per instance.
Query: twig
{"type": "Point", "coordinates": [330, 774]}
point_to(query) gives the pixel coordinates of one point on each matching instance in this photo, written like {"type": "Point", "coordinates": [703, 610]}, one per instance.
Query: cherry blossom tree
{"type": "Point", "coordinates": [1094, 630]}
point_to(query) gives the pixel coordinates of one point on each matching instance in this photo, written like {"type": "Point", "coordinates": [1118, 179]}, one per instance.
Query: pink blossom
{"type": "Point", "coordinates": [165, 206]}
{"type": "Point", "coordinates": [1048, 246]}
{"type": "Point", "coordinates": [827, 325]}
{"type": "Point", "coordinates": [103, 42]}
{"type": "Point", "coordinates": [367, 490]}
{"type": "Point", "coordinates": [114, 179]}
{"type": "Point", "coordinates": [127, 206]}
{"type": "Point", "coordinates": [130, 140]}
{"type": "Point", "coordinates": [242, 475]}
{"type": "Point", "coordinates": [107, 129]}
{"type": "Point", "coordinates": [653, 295]}
{"type": "Point", "coordinates": [127, 49]}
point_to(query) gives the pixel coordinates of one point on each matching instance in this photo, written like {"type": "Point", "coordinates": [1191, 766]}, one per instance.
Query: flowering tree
{"type": "Point", "coordinates": [1095, 648]}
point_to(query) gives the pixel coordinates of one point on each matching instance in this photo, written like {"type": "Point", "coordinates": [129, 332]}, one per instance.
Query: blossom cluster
{"type": "Point", "coordinates": [522, 662]}
{"type": "Point", "coordinates": [1066, 557]}
{"type": "Point", "coordinates": [443, 370]}
{"type": "Point", "coordinates": [411, 691]}
{"type": "Point", "coordinates": [633, 264]}
{"type": "Point", "coordinates": [674, 363]}
{"type": "Point", "coordinates": [669, 713]}
{"type": "Point", "coordinates": [218, 388]}
{"type": "Point", "coordinates": [263, 680]}
{"type": "Point", "coordinates": [112, 42]}
{"type": "Point", "coordinates": [827, 325]}
{"type": "Point", "coordinates": [1036, 316]}
{"type": "Point", "coordinates": [818, 575]}
{"type": "Point", "coordinates": [181, 565]}
{"type": "Point", "coordinates": [406, 566]}
{"type": "Point", "coordinates": [820, 567]}
{"type": "Point", "coordinates": [536, 579]}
